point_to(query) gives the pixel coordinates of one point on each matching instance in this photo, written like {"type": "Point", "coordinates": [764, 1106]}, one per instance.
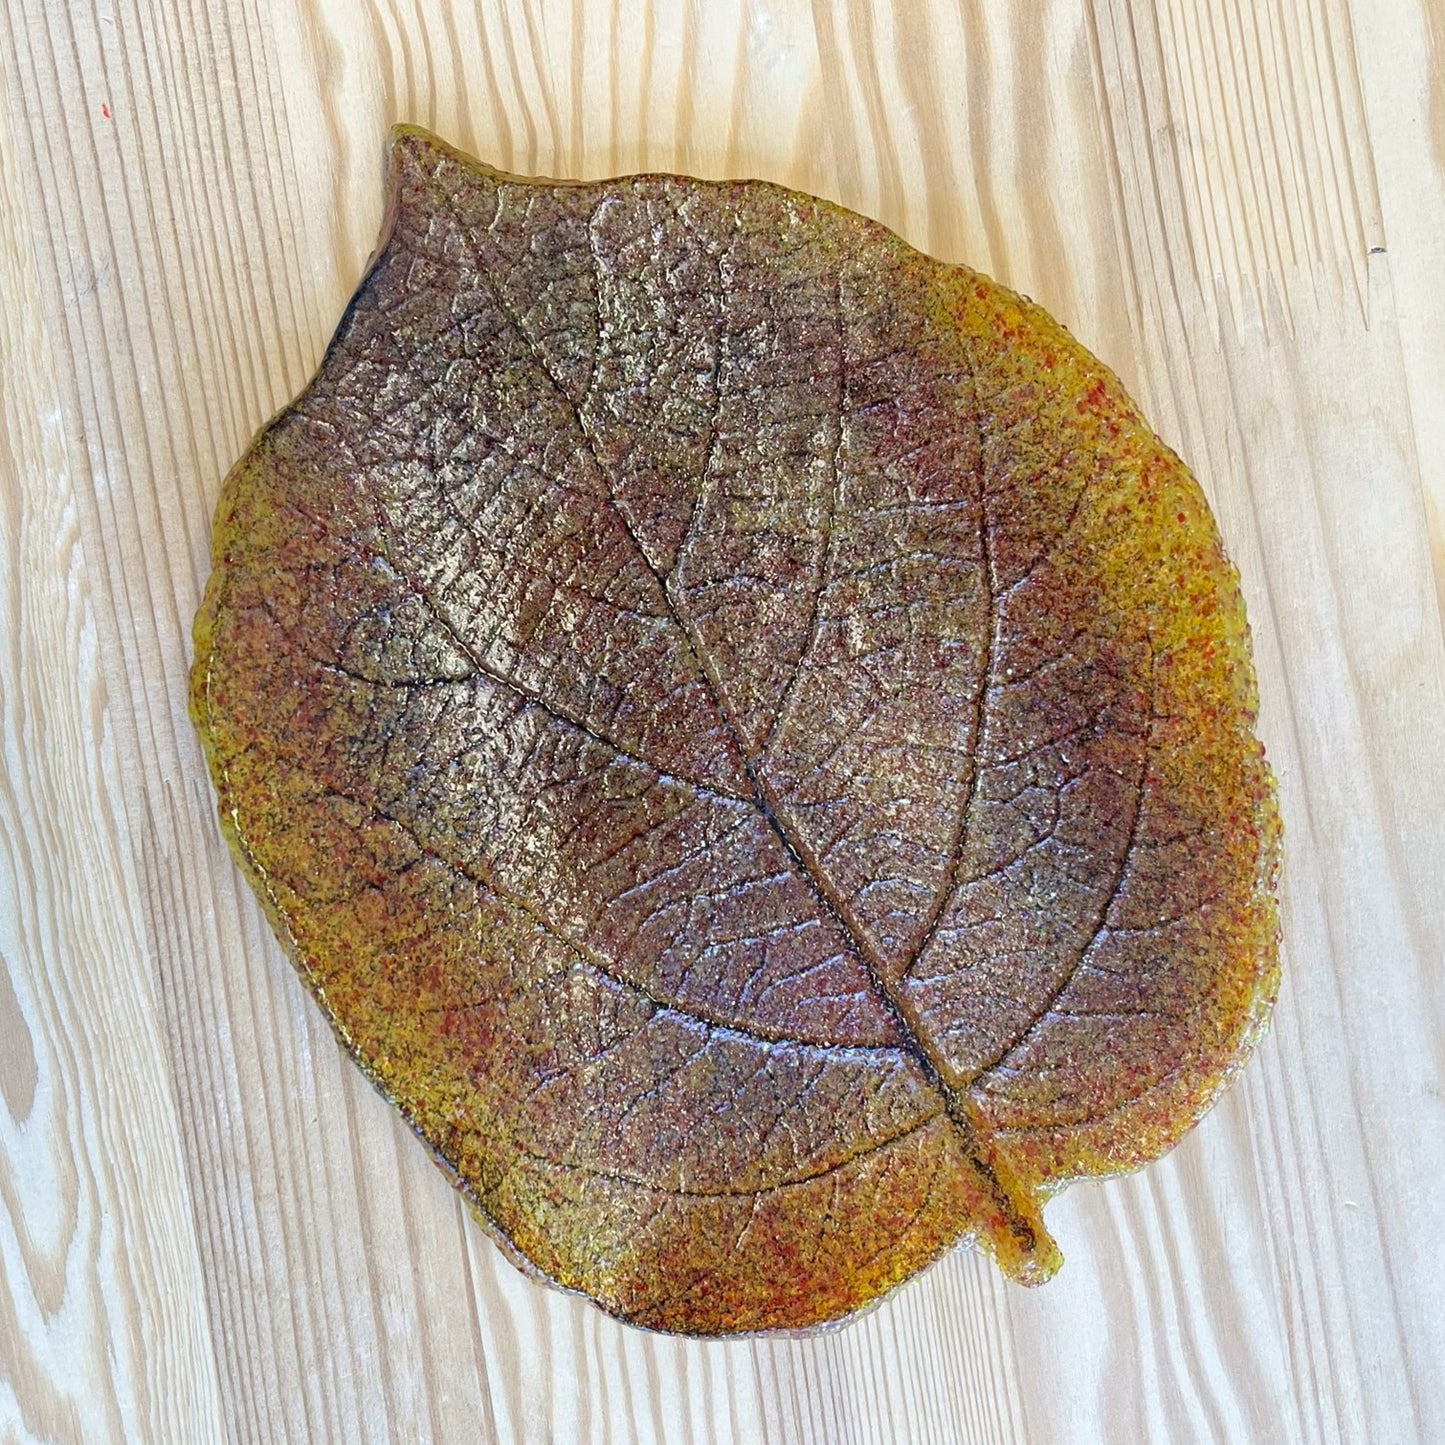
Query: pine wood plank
{"type": "Point", "coordinates": [210, 1228]}
{"type": "Point", "coordinates": [104, 1329]}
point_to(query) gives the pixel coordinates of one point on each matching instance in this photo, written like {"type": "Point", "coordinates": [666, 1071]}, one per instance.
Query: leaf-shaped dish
{"type": "Point", "coordinates": [746, 733]}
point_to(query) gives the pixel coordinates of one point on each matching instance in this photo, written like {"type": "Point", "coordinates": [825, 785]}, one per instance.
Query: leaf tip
{"type": "Point", "coordinates": [413, 151]}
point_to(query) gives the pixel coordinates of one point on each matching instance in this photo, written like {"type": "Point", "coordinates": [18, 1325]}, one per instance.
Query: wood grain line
{"type": "Point", "coordinates": [1255, 130]}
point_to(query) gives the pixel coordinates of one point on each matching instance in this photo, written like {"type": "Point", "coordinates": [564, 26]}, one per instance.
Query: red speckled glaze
{"type": "Point", "coordinates": [746, 733]}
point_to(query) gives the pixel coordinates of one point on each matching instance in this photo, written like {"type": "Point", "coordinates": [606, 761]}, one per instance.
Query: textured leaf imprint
{"type": "Point", "coordinates": [746, 733]}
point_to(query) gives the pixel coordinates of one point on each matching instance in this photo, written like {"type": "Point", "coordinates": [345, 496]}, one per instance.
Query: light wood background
{"type": "Point", "coordinates": [211, 1229]}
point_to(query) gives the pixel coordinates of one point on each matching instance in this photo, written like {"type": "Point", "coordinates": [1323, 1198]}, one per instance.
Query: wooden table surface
{"type": "Point", "coordinates": [211, 1228]}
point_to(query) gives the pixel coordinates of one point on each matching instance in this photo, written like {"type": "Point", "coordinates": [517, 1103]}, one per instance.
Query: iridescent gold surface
{"type": "Point", "coordinates": [746, 733]}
